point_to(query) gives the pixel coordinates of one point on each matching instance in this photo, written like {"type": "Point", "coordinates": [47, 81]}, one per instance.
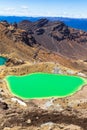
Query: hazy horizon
{"type": "Point", "coordinates": [44, 8]}
{"type": "Point", "coordinates": [42, 16]}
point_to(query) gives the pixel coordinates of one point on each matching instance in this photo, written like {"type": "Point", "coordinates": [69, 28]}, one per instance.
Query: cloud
{"type": "Point", "coordinates": [17, 11]}
{"type": "Point", "coordinates": [9, 9]}
{"type": "Point", "coordinates": [24, 7]}
{"type": "Point", "coordinates": [24, 10]}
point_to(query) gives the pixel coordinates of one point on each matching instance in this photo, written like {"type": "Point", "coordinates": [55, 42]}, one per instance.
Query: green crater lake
{"type": "Point", "coordinates": [2, 60]}
{"type": "Point", "coordinates": [42, 85]}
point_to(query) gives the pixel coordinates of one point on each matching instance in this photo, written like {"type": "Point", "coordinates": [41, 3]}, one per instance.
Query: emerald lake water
{"type": "Point", "coordinates": [42, 85]}
{"type": "Point", "coordinates": [2, 60]}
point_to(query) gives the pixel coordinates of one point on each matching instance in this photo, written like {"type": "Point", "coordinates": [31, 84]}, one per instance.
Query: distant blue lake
{"type": "Point", "coordinates": [80, 24]}
{"type": "Point", "coordinates": [2, 60]}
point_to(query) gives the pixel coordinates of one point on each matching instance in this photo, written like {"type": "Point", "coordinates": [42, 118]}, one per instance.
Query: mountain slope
{"type": "Point", "coordinates": [25, 46]}
{"type": "Point", "coordinates": [13, 44]}
{"type": "Point", "coordinates": [57, 37]}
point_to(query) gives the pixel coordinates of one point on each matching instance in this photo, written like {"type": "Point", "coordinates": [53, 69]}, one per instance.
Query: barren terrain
{"type": "Point", "coordinates": [28, 51]}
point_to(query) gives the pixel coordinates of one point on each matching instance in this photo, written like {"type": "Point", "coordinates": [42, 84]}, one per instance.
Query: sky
{"type": "Point", "coordinates": [53, 8]}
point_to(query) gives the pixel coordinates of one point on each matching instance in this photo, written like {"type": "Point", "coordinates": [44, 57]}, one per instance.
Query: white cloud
{"type": "Point", "coordinates": [9, 9]}
{"type": "Point", "coordinates": [24, 10]}
{"type": "Point", "coordinates": [24, 7]}
{"type": "Point", "coordinates": [17, 11]}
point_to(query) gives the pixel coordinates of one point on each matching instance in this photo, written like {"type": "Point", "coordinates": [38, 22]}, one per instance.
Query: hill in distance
{"type": "Point", "coordinates": [78, 23]}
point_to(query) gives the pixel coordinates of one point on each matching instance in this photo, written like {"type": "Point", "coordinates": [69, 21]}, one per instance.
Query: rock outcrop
{"type": "Point", "coordinates": [17, 35]}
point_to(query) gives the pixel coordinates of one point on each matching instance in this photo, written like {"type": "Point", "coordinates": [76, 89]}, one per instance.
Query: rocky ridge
{"type": "Point", "coordinates": [58, 37]}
